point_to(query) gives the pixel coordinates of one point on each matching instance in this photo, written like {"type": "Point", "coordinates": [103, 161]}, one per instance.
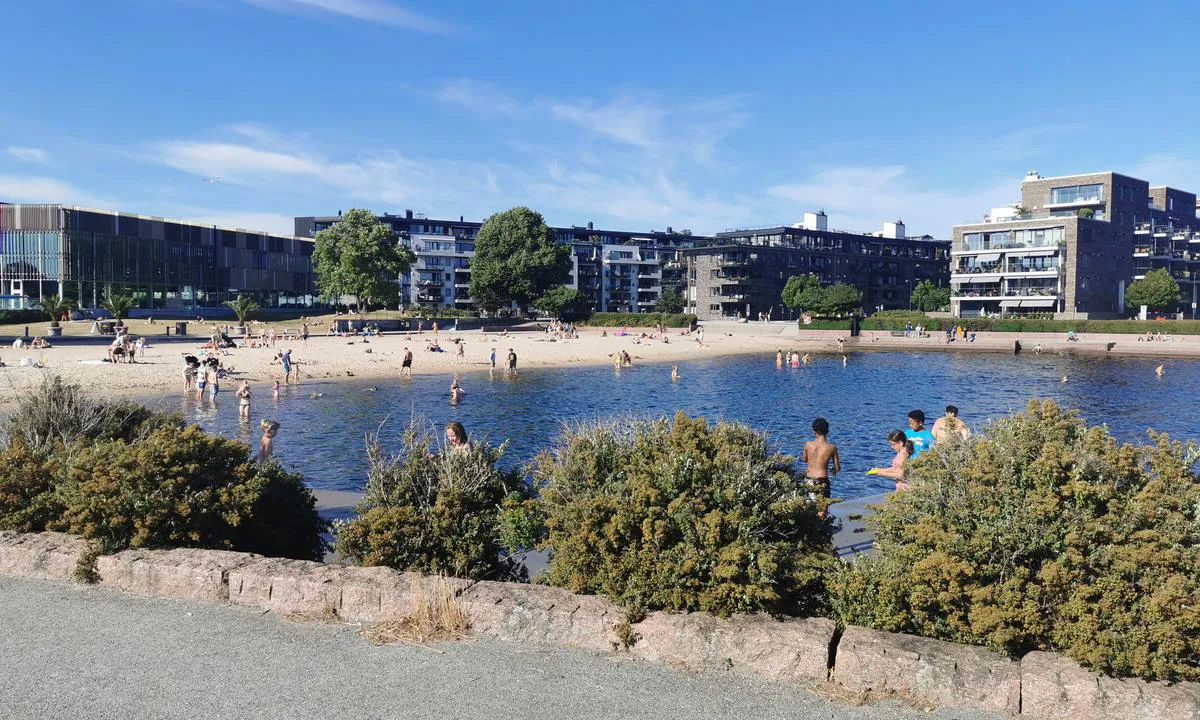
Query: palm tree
{"type": "Point", "coordinates": [242, 306]}
{"type": "Point", "coordinates": [55, 306]}
{"type": "Point", "coordinates": [119, 306]}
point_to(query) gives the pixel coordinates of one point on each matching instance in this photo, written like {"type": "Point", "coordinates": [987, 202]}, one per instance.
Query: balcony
{"type": "Point", "coordinates": [429, 283]}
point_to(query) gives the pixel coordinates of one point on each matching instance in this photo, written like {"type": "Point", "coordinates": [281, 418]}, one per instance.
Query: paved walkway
{"type": "Point", "coordinates": [70, 651]}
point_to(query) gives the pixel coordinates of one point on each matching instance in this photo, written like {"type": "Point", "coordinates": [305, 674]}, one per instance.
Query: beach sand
{"type": "Point", "coordinates": [158, 373]}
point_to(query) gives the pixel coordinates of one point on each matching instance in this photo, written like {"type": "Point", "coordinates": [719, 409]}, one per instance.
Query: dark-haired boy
{"type": "Point", "coordinates": [821, 459]}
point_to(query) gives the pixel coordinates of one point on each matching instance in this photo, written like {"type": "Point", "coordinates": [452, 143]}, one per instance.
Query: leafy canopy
{"type": "Point", "coordinates": [516, 260]}
{"type": "Point", "coordinates": [1157, 291]}
{"type": "Point", "coordinates": [670, 301]}
{"type": "Point", "coordinates": [119, 306]}
{"type": "Point", "coordinates": [361, 257]}
{"type": "Point", "coordinates": [561, 301]}
{"type": "Point", "coordinates": [929, 297]}
{"type": "Point", "coordinates": [805, 292]}
{"type": "Point", "coordinates": [55, 307]}
{"type": "Point", "coordinates": [242, 306]}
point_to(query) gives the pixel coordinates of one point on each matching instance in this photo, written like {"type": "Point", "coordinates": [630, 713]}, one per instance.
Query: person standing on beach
{"type": "Point", "coordinates": [821, 459]}
{"type": "Point", "coordinates": [266, 446]}
{"type": "Point", "coordinates": [435, 330]}
{"type": "Point", "coordinates": [243, 396]}
{"type": "Point", "coordinates": [512, 362]}
{"type": "Point", "coordinates": [304, 333]}
{"type": "Point", "coordinates": [406, 363]}
{"type": "Point", "coordinates": [949, 425]}
{"type": "Point", "coordinates": [916, 433]}
{"type": "Point", "coordinates": [492, 359]}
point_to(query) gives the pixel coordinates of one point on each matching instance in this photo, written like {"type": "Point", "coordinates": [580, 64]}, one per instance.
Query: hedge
{"type": "Point", "coordinates": [896, 320]}
{"type": "Point", "coordinates": [678, 320]}
{"type": "Point", "coordinates": [21, 317]}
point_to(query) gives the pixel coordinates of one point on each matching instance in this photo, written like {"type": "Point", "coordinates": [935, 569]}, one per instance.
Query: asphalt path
{"type": "Point", "coordinates": [69, 651]}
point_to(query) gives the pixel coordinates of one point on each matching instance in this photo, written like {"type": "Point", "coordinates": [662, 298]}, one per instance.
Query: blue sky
{"type": "Point", "coordinates": [634, 115]}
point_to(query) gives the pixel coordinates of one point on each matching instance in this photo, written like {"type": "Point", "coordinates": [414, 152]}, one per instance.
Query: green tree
{"type": "Point", "coordinates": [361, 257]}
{"type": "Point", "coordinates": [516, 260]}
{"type": "Point", "coordinates": [560, 301]}
{"type": "Point", "coordinates": [802, 292]}
{"type": "Point", "coordinates": [929, 297]}
{"type": "Point", "coordinates": [55, 307]}
{"type": "Point", "coordinates": [1157, 291]}
{"type": "Point", "coordinates": [670, 301]}
{"type": "Point", "coordinates": [839, 299]}
{"type": "Point", "coordinates": [242, 306]}
{"type": "Point", "coordinates": [119, 306]}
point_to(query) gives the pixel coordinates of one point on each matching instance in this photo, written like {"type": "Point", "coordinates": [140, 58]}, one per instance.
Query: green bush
{"type": "Point", "coordinates": [679, 515]}
{"type": "Point", "coordinates": [185, 488]}
{"type": "Point", "coordinates": [21, 317]}
{"type": "Point", "coordinates": [1042, 533]}
{"type": "Point", "coordinates": [438, 511]}
{"type": "Point", "coordinates": [605, 319]}
{"type": "Point", "coordinates": [896, 319]}
{"type": "Point", "coordinates": [131, 477]}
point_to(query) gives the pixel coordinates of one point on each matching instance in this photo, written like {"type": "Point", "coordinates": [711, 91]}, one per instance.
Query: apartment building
{"type": "Point", "coordinates": [742, 273]}
{"type": "Point", "coordinates": [1072, 245]}
{"type": "Point", "coordinates": [616, 270]}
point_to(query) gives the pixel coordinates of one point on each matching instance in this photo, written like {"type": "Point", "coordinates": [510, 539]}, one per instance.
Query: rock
{"type": "Point", "coordinates": [180, 573]}
{"type": "Point", "coordinates": [793, 650]}
{"type": "Point", "coordinates": [47, 556]}
{"type": "Point", "coordinates": [539, 613]}
{"type": "Point", "coordinates": [364, 594]}
{"type": "Point", "coordinates": [1053, 686]}
{"type": "Point", "coordinates": [928, 673]}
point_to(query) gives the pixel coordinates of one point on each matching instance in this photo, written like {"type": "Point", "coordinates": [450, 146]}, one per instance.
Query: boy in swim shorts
{"type": "Point", "coordinates": [822, 461]}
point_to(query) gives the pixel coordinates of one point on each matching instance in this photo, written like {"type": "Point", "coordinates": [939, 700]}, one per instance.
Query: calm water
{"type": "Point", "coordinates": [323, 437]}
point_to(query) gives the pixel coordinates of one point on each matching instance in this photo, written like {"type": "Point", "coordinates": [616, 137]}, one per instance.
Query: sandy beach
{"type": "Point", "coordinates": [159, 371]}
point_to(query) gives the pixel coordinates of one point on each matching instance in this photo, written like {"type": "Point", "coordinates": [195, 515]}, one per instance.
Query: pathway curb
{"type": "Point", "coordinates": [860, 661]}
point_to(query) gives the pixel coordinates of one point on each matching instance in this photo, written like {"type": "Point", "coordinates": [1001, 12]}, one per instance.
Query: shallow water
{"type": "Point", "coordinates": [323, 437]}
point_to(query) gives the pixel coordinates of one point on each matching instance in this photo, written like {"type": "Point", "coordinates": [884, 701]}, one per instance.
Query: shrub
{"type": "Point", "coordinates": [59, 415]}
{"type": "Point", "coordinates": [605, 319]}
{"type": "Point", "coordinates": [127, 476]}
{"type": "Point", "coordinates": [435, 511]}
{"type": "Point", "coordinates": [21, 317]}
{"type": "Point", "coordinates": [1042, 534]}
{"type": "Point", "coordinates": [185, 488]}
{"type": "Point", "coordinates": [678, 515]}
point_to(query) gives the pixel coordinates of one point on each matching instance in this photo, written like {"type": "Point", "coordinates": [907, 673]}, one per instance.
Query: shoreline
{"type": "Point", "coordinates": [157, 376]}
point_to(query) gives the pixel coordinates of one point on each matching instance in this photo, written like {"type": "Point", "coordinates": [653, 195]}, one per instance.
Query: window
{"type": "Point", "coordinates": [1077, 194]}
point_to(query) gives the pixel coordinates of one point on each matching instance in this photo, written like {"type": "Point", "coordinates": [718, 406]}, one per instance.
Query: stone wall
{"type": "Point", "coordinates": [858, 662]}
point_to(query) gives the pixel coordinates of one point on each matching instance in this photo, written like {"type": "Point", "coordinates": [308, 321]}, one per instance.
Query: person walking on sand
{"type": "Point", "coordinates": [949, 425]}
{"type": "Point", "coordinates": [406, 363]}
{"type": "Point", "coordinates": [243, 396]}
{"type": "Point", "coordinates": [822, 461]}
{"type": "Point", "coordinates": [266, 446]}
{"type": "Point", "coordinates": [304, 333]}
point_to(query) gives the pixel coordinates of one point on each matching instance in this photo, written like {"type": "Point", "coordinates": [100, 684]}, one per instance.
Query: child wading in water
{"type": "Point", "coordinates": [266, 446]}
{"type": "Point", "coordinates": [822, 461]}
{"type": "Point", "coordinates": [243, 396]}
{"type": "Point", "coordinates": [903, 447]}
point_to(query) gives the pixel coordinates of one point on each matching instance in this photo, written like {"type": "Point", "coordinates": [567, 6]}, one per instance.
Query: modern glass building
{"type": "Point", "coordinates": [84, 255]}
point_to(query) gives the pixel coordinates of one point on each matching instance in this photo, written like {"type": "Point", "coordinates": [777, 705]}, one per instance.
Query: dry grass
{"type": "Point", "coordinates": [434, 614]}
{"type": "Point", "coordinates": [325, 615]}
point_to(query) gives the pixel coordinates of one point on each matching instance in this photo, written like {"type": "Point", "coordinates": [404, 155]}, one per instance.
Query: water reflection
{"type": "Point", "coordinates": [322, 437]}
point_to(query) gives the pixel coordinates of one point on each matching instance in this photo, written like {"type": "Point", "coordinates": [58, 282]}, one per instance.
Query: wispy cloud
{"type": "Point", "coordinates": [34, 189]}
{"type": "Point", "coordinates": [29, 154]}
{"type": "Point", "coordinates": [229, 160]}
{"type": "Point", "coordinates": [861, 197]}
{"type": "Point", "coordinates": [477, 96]}
{"type": "Point", "coordinates": [371, 10]}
